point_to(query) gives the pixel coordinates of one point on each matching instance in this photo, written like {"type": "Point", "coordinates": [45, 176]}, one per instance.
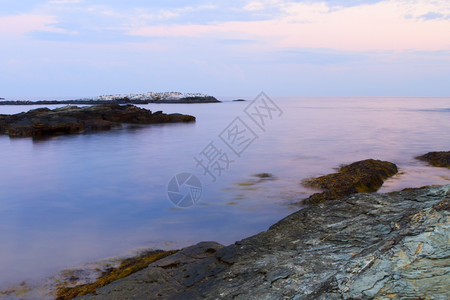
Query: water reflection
{"type": "Point", "coordinates": [68, 200]}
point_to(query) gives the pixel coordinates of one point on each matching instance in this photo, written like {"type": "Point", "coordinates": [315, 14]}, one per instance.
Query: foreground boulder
{"type": "Point", "coordinates": [437, 159]}
{"type": "Point", "coordinates": [359, 177]}
{"type": "Point", "coordinates": [73, 119]}
{"type": "Point", "coordinates": [363, 246]}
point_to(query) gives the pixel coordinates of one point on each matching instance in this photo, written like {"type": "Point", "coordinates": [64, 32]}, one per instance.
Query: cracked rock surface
{"type": "Point", "coordinates": [363, 246]}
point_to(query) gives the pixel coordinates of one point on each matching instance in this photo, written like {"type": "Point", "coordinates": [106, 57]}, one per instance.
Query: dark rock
{"type": "Point", "coordinates": [437, 159]}
{"type": "Point", "coordinates": [208, 99]}
{"type": "Point", "coordinates": [364, 246]}
{"type": "Point", "coordinates": [73, 119]}
{"type": "Point", "coordinates": [239, 100]}
{"type": "Point", "coordinates": [359, 177]}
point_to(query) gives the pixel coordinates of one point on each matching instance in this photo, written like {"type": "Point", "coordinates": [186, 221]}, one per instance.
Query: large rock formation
{"type": "Point", "coordinates": [73, 119]}
{"type": "Point", "coordinates": [364, 246]}
{"type": "Point", "coordinates": [437, 159]}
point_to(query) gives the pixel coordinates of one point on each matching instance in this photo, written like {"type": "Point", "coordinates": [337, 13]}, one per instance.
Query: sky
{"type": "Point", "coordinates": [62, 48]}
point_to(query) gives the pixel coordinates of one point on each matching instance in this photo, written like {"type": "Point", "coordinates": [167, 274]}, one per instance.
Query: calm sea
{"type": "Point", "coordinates": [69, 200]}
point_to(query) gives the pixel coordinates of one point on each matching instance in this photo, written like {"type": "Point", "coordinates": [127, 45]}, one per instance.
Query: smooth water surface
{"type": "Point", "coordinates": [69, 200]}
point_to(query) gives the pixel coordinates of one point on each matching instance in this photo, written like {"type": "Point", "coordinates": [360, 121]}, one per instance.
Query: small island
{"type": "Point", "coordinates": [145, 98]}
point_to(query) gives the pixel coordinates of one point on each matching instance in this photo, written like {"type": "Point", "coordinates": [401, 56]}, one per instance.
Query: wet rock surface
{"type": "Point", "coordinates": [363, 246]}
{"type": "Point", "coordinates": [437, 159]}
{"type": "Point", "coordinates": [72, 120]}
{"type": "Point", "coordinates": [68, 287]}
{"type": "Point", "coordinates": [359, 177]}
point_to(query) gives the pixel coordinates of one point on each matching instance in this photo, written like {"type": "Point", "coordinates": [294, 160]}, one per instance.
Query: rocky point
{"type": "Point", "coordinates": [73, 119]}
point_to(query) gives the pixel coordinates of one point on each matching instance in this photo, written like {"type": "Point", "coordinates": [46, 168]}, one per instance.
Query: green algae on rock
{"type": "Point", "coordinates": [16, 292]}
{"type": "Point", "coordinates": [126, 268]}
{"type": "Point", "coordinates": [359, 177]}
{"type": "Point", "coordinates": [437, 159]}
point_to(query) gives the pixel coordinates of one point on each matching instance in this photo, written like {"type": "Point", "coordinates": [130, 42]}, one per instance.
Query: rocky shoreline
{"type": "Point", "coordinates": [43, 122]}
{"type": "Point", "coordinates": [146, 98]}
{"type": "Point", "coordinates": [345, 245]}
{"type": "Point", "coordinates": [365, 246]}
{"type": "Point", "coordinates": [117, 101]}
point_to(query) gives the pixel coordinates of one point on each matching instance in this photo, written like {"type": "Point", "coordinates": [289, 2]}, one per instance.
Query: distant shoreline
{"type": "Point", "coordinates": [209, 99]}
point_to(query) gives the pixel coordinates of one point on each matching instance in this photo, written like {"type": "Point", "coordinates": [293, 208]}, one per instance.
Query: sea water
{"type": "Point", "coordinates": [69, 200]}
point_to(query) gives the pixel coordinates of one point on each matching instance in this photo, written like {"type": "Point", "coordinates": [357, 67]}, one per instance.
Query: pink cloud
{"type": "Point", "coordinates": [21, 24]}
{"type": "Point", "coordinates": [372, 27]}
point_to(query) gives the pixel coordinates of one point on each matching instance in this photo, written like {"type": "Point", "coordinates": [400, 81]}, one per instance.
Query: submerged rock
{"type": "Point", "coordinates": [264, 176]}
{"type": "Point", "coordinates": [73, 119]}
{"type": "Point", "coordinates": [364, 246]}
{"type": "Point", "coordinates": [359, 177]}
{"type": "Point", "coordinates": [437, 159]}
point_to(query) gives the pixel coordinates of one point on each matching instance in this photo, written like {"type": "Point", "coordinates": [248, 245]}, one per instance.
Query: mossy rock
{"type": "Point", "coordinates": [359, 177]}
{"type": "Point", "coordinates": [126, 268]}
{"type": "Point", "coordinates": [437, 159]}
